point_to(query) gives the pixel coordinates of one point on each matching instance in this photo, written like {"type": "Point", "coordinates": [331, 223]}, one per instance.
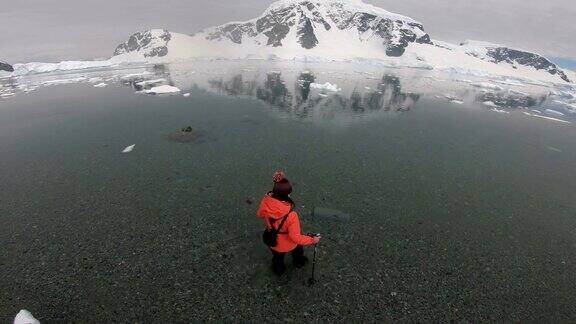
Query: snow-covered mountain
{"type": "Point", "coordinates": [6, 67]}
{"type": "Point", "coordinates": [336, 30]}
{"type": "Point", "coordinates": [288, 29]}
{"type": "Point", "coordinates": [310, 24]}
{"type": "Point", "coordinates": [325, 31]}
{"type": "Point", "coordinates": [501, 54]}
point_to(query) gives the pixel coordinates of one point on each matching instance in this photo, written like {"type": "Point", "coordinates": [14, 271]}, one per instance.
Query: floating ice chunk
{"type": "Point", "coordinates": [163, 89]}
{"type": "Point", "coordinates": [64, 81]}
{"type": "Point", "coordinates": [500, 111]}
{"type": "Point", "coordinates": [326, 86]}
{"type": "Point", "coordinates": [547, 118]}
{"type": "Point", "coordinates": [187, 94]}
{"type": "Point", "coordinates": [487, 85]}
{"type": "Point", "coordinates": [553, 112]}
{"type": "Point", "coordinates": [36, 67]}
{"type": "Point", "coordinates": [129, 148]}
{"type": "Point", "coordinates": [25, 317]}
{"type": "Point", "coordinates": [133, 75]}
{"type": "Point", "coordinates": [149, 82]}
{"type": "Point", "coordinates": [457, 101]}
{"type": "Point", "coordinates": [489, 104]}
{"type": "Point", "coordinates": [100, 85]}
{"type": "Point", "coordinates": [552, 148]}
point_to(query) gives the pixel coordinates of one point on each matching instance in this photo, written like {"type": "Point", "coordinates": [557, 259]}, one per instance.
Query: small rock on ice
{"type": "Point", "coordinates": [100, 85]}
{"type": "Point", "coordinates": [25, 317]}
{"type": "Point", "coordinates": [163, 89]}
{"type": "Point", "coordinates": [129, 148]}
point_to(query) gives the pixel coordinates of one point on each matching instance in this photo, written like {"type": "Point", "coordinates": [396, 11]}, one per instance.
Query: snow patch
{"type": "Point", "coordinates": [487, 85]}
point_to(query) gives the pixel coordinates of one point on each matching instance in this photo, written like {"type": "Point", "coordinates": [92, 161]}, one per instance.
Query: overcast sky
{"type": "Point", "coordinates": [54, 30]}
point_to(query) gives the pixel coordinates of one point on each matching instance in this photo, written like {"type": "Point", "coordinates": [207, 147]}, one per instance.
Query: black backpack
{"type": "Point", "coordinates": [270, 235]}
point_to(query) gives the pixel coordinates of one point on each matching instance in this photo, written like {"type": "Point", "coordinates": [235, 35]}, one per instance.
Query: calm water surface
{"type": "Point", "coordinates": [459, 211]}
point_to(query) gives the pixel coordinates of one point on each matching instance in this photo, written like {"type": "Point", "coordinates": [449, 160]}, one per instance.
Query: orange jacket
{"type": "Point", "coordinates": [272, 210]}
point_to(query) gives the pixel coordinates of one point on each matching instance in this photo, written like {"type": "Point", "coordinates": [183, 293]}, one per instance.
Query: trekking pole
{"type": "Point", "coordinates": [312, 279]}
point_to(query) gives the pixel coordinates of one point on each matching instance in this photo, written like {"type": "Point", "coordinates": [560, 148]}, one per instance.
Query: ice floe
{"type": "Point", "coordinates": [64, 81]}
{"type": "Point", "coordinates": [25, 317]}
{"type": "Point", "coordinates": [129, 149]}
{"type": "Point", "coordinates": [100, 85]}
{"type": "Point", "coordinates": [325, 86]}
{"type": "Point", "coordinates": [547, 118]}
{"type": "Point", "coordinates": [553, 112]}
{"type": "Point", "coordinates": [163, 89]}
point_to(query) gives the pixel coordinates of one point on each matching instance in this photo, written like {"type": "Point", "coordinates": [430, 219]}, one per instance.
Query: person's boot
{"type": "Point", "coordinates": [300, 261]}
{"type": "Point", "coordinates": [298, 258]}
{"type": "Point", "coordinates": [278, 269]}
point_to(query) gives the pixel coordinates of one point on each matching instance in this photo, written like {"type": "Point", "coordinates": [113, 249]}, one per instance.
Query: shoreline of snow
{"type": "Point", "coordinates": [26, 69]}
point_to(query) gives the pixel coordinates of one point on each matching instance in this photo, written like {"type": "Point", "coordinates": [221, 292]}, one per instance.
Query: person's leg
{"type": "Point", "coordinates": [298, 257]}
{"type": "Point", "coordinates": [278, 265]}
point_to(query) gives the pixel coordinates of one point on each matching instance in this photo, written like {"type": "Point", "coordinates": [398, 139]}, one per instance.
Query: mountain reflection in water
{"type": "Point", "coordinates": [301, 99]}
{"type": "Point", "coordinates": [332, 93]}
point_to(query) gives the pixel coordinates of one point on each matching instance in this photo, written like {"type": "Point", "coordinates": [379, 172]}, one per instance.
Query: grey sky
{"type": "Point", "coordinates": [54, 30]}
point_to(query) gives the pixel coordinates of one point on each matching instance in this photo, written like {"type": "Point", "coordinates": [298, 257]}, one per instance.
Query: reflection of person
{"type": "Point", "coordinates": [274, 207]}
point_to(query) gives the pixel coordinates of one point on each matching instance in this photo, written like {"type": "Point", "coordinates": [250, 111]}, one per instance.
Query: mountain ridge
{"type": "Point", "coordinates": [6, 67]}
{"type": "Point", "coordinates": [324, 31]}
{"type": "Point", "coordinates": [332, 30]}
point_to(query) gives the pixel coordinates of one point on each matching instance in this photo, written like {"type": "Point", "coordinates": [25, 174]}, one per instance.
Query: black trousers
{"type": "Point", "coordinates": [298, 259]}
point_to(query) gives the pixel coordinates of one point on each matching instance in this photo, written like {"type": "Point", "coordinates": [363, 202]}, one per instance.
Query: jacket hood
{"type": "Point", "coordinates": [273, 208]}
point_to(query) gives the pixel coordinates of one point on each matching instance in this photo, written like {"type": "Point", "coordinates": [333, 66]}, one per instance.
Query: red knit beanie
{"type": "Point", "coordinates": [282, 187]}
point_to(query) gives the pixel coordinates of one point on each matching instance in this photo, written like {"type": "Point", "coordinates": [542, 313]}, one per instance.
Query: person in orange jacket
{"type": "Point", "coordinates": [274, 206]}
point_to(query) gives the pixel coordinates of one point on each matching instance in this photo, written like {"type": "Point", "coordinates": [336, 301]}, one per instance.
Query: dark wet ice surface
{"type": "Point", "coordinates": [456, 212]}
